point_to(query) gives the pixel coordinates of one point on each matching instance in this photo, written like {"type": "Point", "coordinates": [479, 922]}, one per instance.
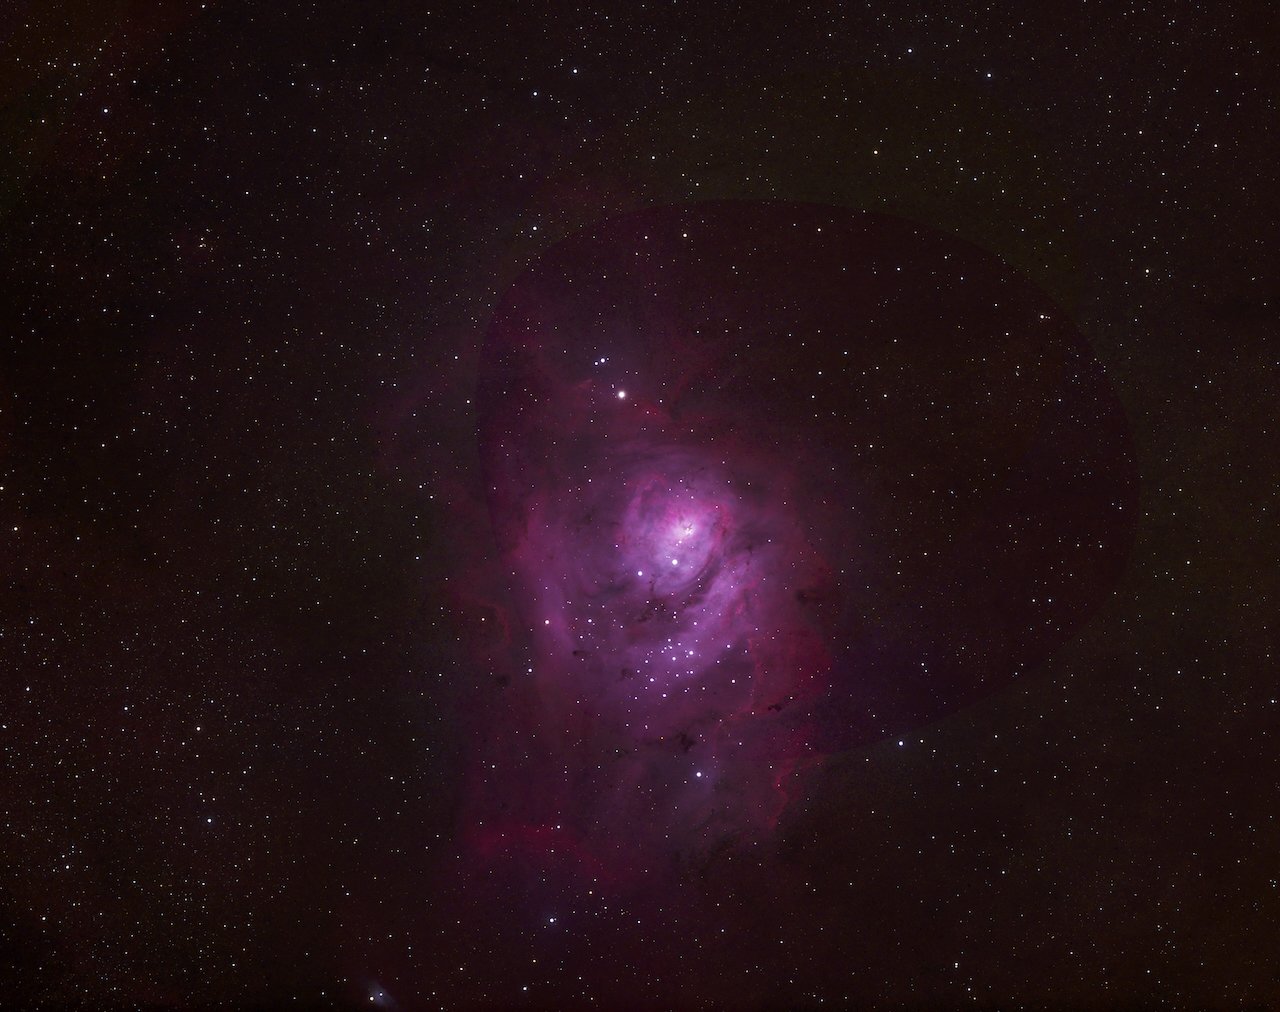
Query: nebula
{"type": "Point", "coordinates": [769, 482]}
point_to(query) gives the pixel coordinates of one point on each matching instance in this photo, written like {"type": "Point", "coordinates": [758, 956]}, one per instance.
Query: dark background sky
{"type": "Point", "coordinates": [249, 253]}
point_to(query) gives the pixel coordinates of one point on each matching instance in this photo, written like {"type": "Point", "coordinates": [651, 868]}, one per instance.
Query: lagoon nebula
{"type": "Point", "coordinates": [768, 482]}
{"type": "Point", "coordinates": [638, 506]}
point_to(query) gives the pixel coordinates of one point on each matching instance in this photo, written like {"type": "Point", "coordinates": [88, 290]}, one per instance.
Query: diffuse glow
{"type": "Point", "coordinates": [752, 567]}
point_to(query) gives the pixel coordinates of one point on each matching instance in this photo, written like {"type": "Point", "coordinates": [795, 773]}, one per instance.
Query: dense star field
{"type": "Point", "coordinates": [652, 507]}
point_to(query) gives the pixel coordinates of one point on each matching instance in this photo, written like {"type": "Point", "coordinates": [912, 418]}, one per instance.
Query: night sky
{"type": "Point", "coordinates": [664, 506]}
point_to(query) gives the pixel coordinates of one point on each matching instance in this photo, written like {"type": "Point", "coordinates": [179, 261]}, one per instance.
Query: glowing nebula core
{"type": "Point", "coordinates": [769, 481]}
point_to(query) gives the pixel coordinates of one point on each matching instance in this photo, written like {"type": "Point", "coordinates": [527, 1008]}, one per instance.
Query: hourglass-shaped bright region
{"type": "Point", "coordinates": [673, 533]}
